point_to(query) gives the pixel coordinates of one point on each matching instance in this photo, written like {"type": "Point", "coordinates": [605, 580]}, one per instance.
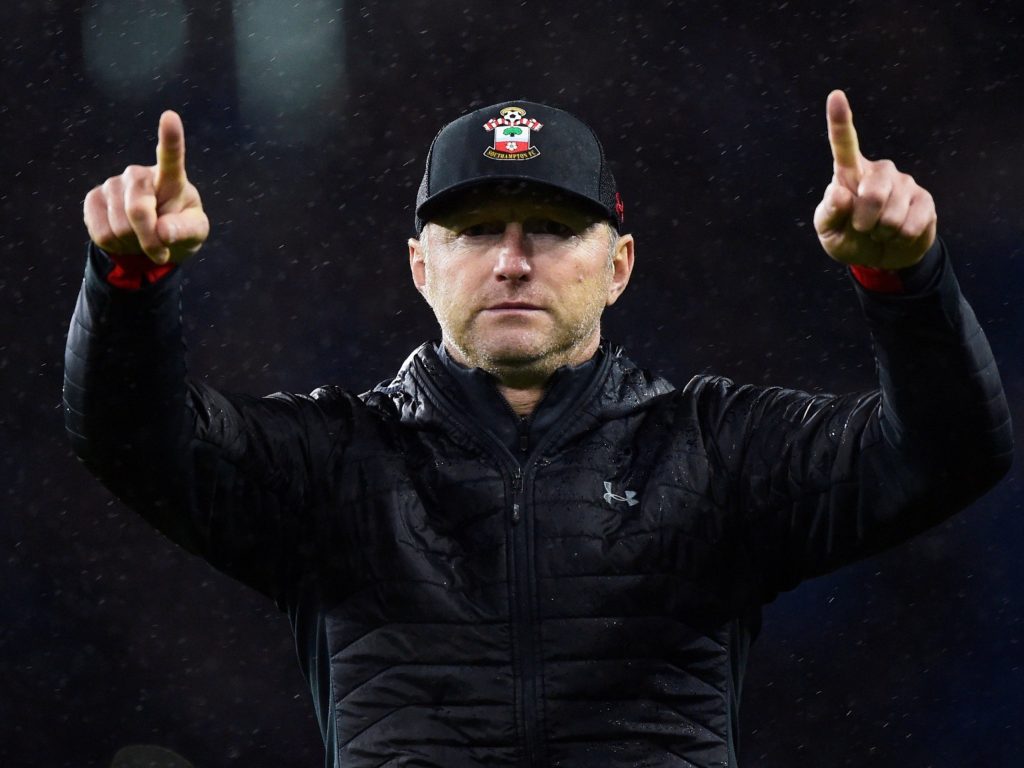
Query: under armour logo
{"type": "Point", "coordinates": [629, 498]}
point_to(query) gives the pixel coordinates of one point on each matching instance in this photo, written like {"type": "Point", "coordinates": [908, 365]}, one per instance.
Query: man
{"type": "Point", "coordinates": [526, 550]}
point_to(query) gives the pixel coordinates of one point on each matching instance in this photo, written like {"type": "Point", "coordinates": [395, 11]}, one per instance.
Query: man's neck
{"type": "Point", "coordinates": [523, 401]}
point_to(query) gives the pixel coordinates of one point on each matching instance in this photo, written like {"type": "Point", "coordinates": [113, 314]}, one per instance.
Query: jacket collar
{"type": "Point", "coordinates": [426, 395]}
{"type": "Point", "coordinates": [519, 434]}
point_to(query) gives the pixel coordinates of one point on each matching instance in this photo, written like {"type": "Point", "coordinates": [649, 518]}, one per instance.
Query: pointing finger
{"type": "Point", "coordinates": [842, 136]}
{"type": "Point", "coordinates": [170, 151]}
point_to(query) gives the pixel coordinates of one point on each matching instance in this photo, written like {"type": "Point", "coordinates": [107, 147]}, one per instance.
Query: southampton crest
{"type": "Point", "coordinates": [512, 133]}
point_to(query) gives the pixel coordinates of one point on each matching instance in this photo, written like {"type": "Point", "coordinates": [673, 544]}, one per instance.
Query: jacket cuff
{"type": "Point", "coordinates": [151, 311]}
{"type": "Point", "coordinates": [917, 278]}
{"type": "Point", "coordinates": [129, 271]}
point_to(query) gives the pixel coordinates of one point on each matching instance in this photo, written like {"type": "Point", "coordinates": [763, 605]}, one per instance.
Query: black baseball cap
{"type": "Point", "coordinates": [518, 142]}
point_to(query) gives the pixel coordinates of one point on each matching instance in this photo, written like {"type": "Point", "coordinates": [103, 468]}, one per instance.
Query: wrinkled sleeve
{"type": "Point", "coordinates": [817, 481]}
{"type": "Point", "coordinates": [231, 478]}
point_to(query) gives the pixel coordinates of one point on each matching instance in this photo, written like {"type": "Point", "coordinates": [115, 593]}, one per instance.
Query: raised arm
{"type": "Point", "coordinates": [821, 480]}
{"type": "Point", "coordinates": [225, 476]}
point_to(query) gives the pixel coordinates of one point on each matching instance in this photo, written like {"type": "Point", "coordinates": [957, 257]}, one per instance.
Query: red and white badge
{"type": "Point", "coordinates": [512, 135]}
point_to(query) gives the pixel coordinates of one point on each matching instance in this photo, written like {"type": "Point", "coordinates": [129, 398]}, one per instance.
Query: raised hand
{"type": "Point", "coordinates": [871, 214]}
{"type": "Point", "coordinates": [151, 209]}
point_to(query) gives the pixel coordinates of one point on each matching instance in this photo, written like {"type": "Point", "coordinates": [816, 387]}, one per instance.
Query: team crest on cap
{"type": "Point", "coordinates": [512, 133]}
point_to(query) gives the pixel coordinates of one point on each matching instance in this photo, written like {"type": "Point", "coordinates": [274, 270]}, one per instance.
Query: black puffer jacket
{"type": "Point", "coordinates": [591, 605]}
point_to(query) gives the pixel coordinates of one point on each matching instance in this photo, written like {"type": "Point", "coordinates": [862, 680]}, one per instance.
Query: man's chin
{"type": "Point", "coordinates": [513, 356]}
{"type": "Point", "coordinates": [516, 353]}
{"type": "Point", "coordinates": [519, 352]}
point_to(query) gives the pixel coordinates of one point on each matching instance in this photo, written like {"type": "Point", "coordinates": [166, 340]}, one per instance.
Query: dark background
{"type": "Point", "coordinates": [308, 160]}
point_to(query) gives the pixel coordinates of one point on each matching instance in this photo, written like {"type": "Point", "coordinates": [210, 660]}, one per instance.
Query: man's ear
{"type": "Point", "coordinates": [622, 267]}
{"type": "Point", "coordinates": [418, 265]}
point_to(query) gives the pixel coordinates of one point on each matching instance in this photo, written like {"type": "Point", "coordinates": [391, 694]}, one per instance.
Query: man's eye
{"type": "Point", "coordinates": [549, 227]}
{"type": "Point", "coordinates": [483, 229]}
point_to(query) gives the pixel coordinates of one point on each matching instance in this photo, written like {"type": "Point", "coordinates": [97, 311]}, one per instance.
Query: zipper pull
{"type": "Point", "coordinates": [517, 487]}
{"type": "Point", "coordinates": [524, 434]}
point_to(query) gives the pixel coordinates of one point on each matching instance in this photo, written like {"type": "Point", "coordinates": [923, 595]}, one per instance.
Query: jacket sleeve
{"type": "Point", "coordinates": [817, 481]}
{"type": "Point", "coordinates": [231, 478]}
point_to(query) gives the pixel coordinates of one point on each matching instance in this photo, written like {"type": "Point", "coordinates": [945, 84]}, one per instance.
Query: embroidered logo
{"type": "Point", "coordinates": [512, 132]}
{"type": "Point", "coordinates": [629, 498]}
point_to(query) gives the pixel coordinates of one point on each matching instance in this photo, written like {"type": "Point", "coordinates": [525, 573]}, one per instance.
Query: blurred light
{"type": "Point", "coordinates": [130, 48]}
{"type": "Point", "coordinates": [290, 66]}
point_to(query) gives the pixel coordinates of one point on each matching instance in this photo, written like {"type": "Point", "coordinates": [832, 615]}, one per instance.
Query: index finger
{"type": "Point", "coordinates": [842, 136]}
{"type": "Point", "coordinates": [170, 150]}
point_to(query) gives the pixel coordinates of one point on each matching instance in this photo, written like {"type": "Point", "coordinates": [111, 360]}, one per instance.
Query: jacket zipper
{"type": "Point", "coordinates": [521, 597]}
{"type": "Point", "coordinates": [522, 608]}
{"type": "Point", "coordinates": [517, 494]}
{"type": "Point", "coordinates": [517, 474]}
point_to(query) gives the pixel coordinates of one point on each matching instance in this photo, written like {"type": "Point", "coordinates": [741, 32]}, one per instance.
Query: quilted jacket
{"type": "Point", "coordinates": [587, 603]}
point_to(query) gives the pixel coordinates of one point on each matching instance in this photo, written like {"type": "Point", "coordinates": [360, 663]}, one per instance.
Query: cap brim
{"type": "Point", "coordinates": [444, 199]}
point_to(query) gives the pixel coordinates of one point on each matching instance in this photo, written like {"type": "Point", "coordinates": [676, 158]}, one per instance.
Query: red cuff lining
{"type": "Point", "coordinates": [131, 270]}
{"type": "Point", "coordinates": [879, 280]}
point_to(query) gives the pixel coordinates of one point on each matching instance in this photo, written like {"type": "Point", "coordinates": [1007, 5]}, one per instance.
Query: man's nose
{"type": "Point", "coordinates": [513, 254]}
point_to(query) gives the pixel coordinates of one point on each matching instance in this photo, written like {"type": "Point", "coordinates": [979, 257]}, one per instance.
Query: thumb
{"type": "Point", "coordinates": [187, 229]}
{"type": "Point", "coordinates": [834, 210]}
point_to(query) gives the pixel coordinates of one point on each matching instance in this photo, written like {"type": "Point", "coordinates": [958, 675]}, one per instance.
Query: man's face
{"type": "Point", "coordinates": [518, 281]}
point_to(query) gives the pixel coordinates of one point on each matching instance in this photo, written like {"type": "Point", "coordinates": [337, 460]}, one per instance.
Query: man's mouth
{"type": "Point", "coordinates": [512, 306]}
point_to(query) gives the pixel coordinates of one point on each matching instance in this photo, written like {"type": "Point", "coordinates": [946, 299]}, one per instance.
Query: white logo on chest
{"type": "Point", "coordinates": [629, 498]}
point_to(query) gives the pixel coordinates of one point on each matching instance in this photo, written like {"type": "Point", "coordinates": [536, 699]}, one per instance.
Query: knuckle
{"type": "Point", "coordinates": [138, 211]}
{"type": "Point", "coordinates": [93, 198]}
{"type": "Point", "coordinates": [872, 198]}
{"type": "Point", "coordinates": [890, 220]}
{"type": "Point", "coordinates": [907, 180]}
{"type": "Point", "coordinates": [911, 231]}
{"type": "Point", "coordinates": [882, 169]}
{"type": "Point", "coordinates": [99, 231]}
{"type": "Point", "coordinates": [134, 174]}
